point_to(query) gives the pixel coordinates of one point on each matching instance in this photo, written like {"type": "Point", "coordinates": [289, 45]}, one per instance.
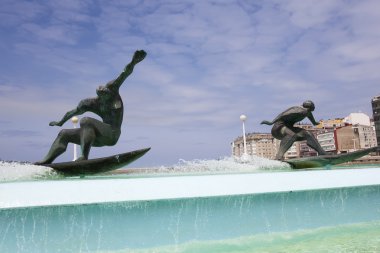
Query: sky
{"type": "Point", "coordinates": [207, 63]}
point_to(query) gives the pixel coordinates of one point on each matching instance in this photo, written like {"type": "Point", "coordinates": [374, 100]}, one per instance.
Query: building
{"type": "Point", "coordinates": [367, 136]}
{"type": "Point", "coordinates": [357, 118]}
{"type": "Point", "coordinates": [258, 144]}
{"type": "Point", "coordinates": [376, 116]}
{"type": "Point", "coordinates": [330, 123]}
{"type": "Point", "coordinates": [346, 140]}
{"type": "Point", "coordinates": [350, 138]}
{"type": "Point", "coordinates": [327, 141]}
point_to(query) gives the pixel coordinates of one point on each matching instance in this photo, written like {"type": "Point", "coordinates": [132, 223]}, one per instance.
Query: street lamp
{"type": "Point", "coordinates": [75, 122]}
{"type": "Point", "coordinates": [354, 144]}
{"type": "Point", "coordinates": [244, 157]}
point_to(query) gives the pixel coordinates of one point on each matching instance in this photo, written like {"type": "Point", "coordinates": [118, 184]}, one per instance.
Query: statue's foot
{"type": "Point", "coordinates": [42, 162]}
{"type": "Point", "coordinates": [39, 163]}
{"type": "Point", "coordinates": [82, 158]}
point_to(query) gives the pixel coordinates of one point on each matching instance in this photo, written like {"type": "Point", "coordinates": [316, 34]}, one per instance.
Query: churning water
{"type": "Point", "coordinates": [16, 171]}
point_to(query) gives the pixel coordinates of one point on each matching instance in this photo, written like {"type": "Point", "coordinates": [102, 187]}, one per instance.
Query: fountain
{"type": "Point", "coordinates": [200, 206]}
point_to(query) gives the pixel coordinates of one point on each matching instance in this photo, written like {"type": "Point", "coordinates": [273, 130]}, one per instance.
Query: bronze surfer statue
{"type": "Point", "coordinates": [283, 128]}
{"type": "Point", "coordinates": [92, 132]}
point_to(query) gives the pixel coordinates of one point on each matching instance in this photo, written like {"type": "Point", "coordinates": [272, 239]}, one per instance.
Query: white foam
{"type": "Point", "coordinates": [16, 171]}
{"type": "Point", "coordinates": [215, 166]}
{"type": "Point", "coordinates": [253, 163]}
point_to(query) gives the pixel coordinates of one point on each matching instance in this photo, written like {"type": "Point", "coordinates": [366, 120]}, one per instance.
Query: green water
{"type": "Point", "coordinates": [360, 238]}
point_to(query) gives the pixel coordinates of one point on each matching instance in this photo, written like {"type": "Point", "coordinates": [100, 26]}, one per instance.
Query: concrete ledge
{"type": "Point", "coordinates": [86, 191]}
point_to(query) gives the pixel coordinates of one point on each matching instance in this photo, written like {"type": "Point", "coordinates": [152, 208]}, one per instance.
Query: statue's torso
{"type": "Point", "coordinates": [111, 111]}
{"type": "Point", "coordinates": [293, 115]}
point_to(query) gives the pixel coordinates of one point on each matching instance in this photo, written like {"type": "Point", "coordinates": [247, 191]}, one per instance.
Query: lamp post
{"type": "Point", "coordinates": [244, 157]}
{"type": "Point", "coordinates": [75, 122]}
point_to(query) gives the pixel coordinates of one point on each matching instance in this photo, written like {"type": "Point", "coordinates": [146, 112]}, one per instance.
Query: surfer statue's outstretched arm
{"type": "Point", "coordinates": [137, 57]}
{"type": "Point", "coordinates": [83, 107]}
{"type": "Point", "coordinates": [67, 116]}
{"type": "Point", "coordinates": [267, 122]}
{"type": "Point", "coordinates": [278, 118]}
{"type": "Point", "coordinates": [311, 118]}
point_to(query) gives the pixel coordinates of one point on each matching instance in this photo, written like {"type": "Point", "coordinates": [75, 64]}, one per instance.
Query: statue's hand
{"type": "Point", "coordinates": [138, 56]}
{"type": "Point", "coordinates": [266, 122]}
{"type": "Point", "coordinates": [55, 123]}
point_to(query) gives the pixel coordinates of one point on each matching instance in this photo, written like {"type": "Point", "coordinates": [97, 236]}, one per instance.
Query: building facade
{"type": "Point", "coordinates": [327, 141]}
{"type": "Point", "coordinates": [258, 144]}
{"type": "Point", "coordinates": [357, 118]}
{"type": "Point", "coordinates": [376, 116]}
{"type": "Point", "coordinates": [330, 123]}
{"type": "Point", "coordinates": [367, 136]}
{"type": "Point", "coordinates": [350, 138]}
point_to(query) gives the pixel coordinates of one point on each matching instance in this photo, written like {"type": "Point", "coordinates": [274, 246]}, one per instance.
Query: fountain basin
{"type": "Point", "coordinates": [90, 191]}
{"type": "Point", "coordinates": [254, 212]}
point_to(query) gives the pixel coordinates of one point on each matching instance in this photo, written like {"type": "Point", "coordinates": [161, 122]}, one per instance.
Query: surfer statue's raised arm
{"type": "Point", "coordinates": [92, 132]}
{"type": "Point", "coordinates": [116, 83]}
{"type": "Point", "coordinates": [283, 128]}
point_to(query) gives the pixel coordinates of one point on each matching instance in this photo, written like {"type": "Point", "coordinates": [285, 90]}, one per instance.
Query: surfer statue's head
{"type": "Point", "coordinates": [103, 91]}
{"type": "Point", "coordinates": [309, 105]}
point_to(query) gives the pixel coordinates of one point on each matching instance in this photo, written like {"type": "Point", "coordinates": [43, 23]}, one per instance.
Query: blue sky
{"type": "Point", "coordinates": [208, 62]}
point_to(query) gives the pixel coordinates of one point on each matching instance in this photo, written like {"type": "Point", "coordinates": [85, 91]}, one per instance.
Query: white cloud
{"type": "Point", "coordinates": [308, 14]}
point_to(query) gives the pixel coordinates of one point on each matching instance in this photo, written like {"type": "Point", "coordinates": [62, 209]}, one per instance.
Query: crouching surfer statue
{"type": "Point", "coordinates": [92, 132]}
{"type": "Point", "coordinates": [284, 130]}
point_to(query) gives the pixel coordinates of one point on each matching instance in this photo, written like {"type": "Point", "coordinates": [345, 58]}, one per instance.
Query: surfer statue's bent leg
{"type": "Point", "coordinates": [59, 145]}
{"type": "Point", "coordinates": [312, 142]}
{"type": "Point", "coordinates": [287, 136]}
{"type": "Point", "coordinates": [92, 132]}
{"type": "Point", "coordinates": [96, 133]}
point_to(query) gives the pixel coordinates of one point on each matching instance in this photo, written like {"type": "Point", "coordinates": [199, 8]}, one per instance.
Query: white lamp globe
{"type": "Point", "coordinates": [74, 119]}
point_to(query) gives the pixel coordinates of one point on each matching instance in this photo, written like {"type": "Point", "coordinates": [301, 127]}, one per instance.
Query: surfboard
{"type": "Point", "coordinates": [97, 165]}
{"type": "Point", "coordinates": [324, 160]}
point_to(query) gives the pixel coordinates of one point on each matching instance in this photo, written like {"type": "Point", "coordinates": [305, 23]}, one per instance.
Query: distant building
{"type": "Point", "coordinates": [330, 123]}
{"type": "Point", "coordinates": [376, 116]}
{"type": "Point", "coordinates": [367, 136]}
{"type": "Point", "coordinates": [327, 141]}
{"type": "Point", "coordinates": [258, 144]}
{"type": "Point", "coordinates": [357, 118]}
{"type": "Point", "coordinates": [350, 138]}
{"type": "Point", "coordinates": [346, 140]}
